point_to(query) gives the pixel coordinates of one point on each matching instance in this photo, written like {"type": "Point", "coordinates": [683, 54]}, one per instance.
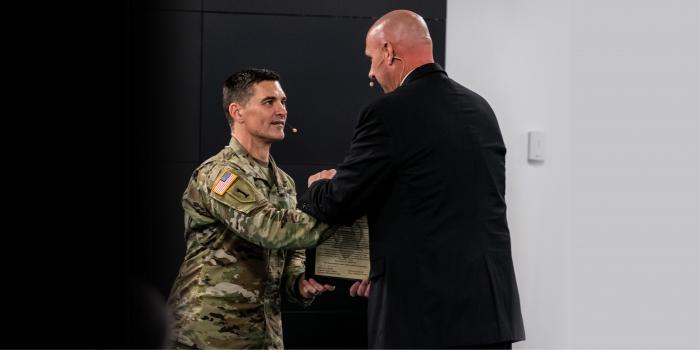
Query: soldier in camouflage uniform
{"type": "Point", "coordinates": [241, 227]}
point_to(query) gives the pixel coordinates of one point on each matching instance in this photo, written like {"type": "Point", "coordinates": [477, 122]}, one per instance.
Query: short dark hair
{"type": "Point", "coordinates": [239, 87]}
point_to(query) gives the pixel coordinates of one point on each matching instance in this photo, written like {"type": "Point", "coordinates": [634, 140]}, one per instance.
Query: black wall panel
{"type": "Point", "coordinates": [178, 5]}
{"type": "Point", "coordinates": [167, 79]}
{"type": "Point", "coordinates": [159, 244]}
{"type": "Point", "coordinates": [334, 8]}
{"type": "Point", "coordinates": [324, 74]}
{"type": "Point", "coordinates": [182, 52]}
{"type": "Point", "coordinates": [437, 32]}
{"type": "Point", "coordinates": [325, 329]}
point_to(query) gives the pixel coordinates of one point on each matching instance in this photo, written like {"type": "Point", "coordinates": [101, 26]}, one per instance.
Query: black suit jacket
{"type": "Point", "coordinates": [427, 167]}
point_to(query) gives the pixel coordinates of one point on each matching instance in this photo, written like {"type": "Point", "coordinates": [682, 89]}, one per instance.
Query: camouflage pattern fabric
{"type": "Point", "coordinates": [227, 293]}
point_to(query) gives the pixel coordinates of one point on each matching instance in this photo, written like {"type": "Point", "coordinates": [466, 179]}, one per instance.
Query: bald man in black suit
{"type": "Point", "coordinates": [427, 167]}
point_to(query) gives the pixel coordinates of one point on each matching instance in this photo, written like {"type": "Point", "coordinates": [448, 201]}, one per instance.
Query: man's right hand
{"type": "Point", "coordinates": [360, 288]}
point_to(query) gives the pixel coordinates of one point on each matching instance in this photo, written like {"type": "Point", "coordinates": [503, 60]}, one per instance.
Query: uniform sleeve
{"type": "Point", "coordinates": [234, 201]}
{"type": "Point", "coordinates": [293, 268]}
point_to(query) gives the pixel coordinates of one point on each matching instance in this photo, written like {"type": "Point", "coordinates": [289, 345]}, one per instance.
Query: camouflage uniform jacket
{"type": "Point", "coordinates": [237, 220]}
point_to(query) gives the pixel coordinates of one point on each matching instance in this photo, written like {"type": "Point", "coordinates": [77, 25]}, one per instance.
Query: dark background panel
{"type": "Point", "coordinates": [336, 8]}
{"type": "Point", "coordinates": [182, 5]}
{"type": "Point", "coordinates": [437, 33]}
{"type": "Point", "coordinates": [325, 329]}
{"type": "Point", "coordinates": [159, 244]}
{"type": "Point", "coordinates": [166, 89]}
{"type": "Point", "coordinates": [323, 69]}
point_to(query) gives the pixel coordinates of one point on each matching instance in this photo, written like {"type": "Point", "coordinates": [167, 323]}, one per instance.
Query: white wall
{"type": "Point", "coordinates": [605, 231]}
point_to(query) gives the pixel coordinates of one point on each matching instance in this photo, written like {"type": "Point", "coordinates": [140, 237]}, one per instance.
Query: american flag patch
{"type": "Point", "coordinates": [224, 182]}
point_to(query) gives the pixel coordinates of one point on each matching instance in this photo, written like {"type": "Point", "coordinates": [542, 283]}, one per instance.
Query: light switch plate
{"type": "Point", "coordinates": [536, 142]}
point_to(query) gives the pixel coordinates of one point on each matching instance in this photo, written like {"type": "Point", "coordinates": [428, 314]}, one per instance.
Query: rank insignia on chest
{"type": "Point", "coordinates": [224, 182]}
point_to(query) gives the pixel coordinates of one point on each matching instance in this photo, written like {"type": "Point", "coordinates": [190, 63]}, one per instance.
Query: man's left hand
{"type": "Point", "coordinates": [321, 175]}
{"type": "Point", "coordinates": [309, 288]}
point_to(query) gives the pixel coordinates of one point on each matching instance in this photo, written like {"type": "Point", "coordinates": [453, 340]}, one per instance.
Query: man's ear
{"type": "Point", "coordinates": [234, 110]}
{"type": "Point", "coordinates": [389, 52]}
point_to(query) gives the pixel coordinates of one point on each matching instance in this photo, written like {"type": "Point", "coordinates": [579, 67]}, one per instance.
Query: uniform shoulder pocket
{"type": "Point", "coordinates": [234, 190]}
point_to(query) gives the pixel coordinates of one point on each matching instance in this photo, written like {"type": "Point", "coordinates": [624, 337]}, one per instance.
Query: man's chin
{"type": "Point", "coordinates": [275, 138]}
{"type": "Point", "coordinates": [387, 89]}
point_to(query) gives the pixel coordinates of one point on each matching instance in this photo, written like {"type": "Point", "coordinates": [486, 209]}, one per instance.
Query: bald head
{"type": "Point", "coordinates": [397, 43]}
{"type": "Point", "coordinates": [404, 29]}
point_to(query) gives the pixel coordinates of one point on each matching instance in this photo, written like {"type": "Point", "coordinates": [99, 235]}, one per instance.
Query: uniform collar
{"type": "Point", "coordinates": [237, 147]}
{"type": "Point", "coordinates": [241, 152]}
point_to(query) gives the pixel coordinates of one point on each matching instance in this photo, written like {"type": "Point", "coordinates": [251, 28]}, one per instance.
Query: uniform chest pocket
{"type": "Point", "coordinates": [263, 187]}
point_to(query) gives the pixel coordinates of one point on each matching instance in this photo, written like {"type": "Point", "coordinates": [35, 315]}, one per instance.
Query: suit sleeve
{"type": "Point", "coordinates": [364, 175]}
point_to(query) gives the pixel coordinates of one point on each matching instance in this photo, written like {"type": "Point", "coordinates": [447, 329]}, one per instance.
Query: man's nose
{"type": "Point", "coordinates": [282, 110]}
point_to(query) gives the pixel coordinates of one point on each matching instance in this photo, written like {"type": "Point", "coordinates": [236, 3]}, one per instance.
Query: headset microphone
{"type": "Point", "coordinates": [291, 128]}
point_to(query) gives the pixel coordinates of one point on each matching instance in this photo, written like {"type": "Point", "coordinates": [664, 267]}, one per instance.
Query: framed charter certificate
{"type": "Point", "coordinates": [344, 255]}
